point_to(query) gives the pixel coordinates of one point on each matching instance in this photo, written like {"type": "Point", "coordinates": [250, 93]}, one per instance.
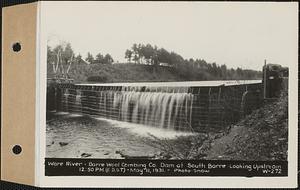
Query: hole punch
{"type": "Point", "coordinates": [16, 47]}
{"type": "Point", "coordinates": [17, 149]}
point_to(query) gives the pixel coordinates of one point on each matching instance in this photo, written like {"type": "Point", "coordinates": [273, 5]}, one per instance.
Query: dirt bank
{"type": "Point", "coordinates": [262, 135]}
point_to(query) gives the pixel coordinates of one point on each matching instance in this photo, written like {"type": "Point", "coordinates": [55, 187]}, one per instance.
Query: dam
{"type": "Point", "coordinates": [194, 106]}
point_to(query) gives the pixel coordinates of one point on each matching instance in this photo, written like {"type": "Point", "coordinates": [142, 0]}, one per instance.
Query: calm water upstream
{"type": "Point", "coordinates": [75, 136]}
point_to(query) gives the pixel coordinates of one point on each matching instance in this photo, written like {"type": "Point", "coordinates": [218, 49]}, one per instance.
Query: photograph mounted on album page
{"type": "Point", "coordinates": [150, 94]}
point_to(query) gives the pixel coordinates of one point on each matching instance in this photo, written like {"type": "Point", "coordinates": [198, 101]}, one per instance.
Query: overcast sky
{"type": "Point", "coordinates": [235, 34]}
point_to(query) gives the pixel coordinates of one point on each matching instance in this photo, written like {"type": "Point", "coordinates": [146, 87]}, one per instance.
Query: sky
{"type": "Point", "coordinates": [236, 34]}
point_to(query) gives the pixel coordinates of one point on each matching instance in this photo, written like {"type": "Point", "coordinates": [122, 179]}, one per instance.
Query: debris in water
{"type": "Point", "coordinates": [63, 143]}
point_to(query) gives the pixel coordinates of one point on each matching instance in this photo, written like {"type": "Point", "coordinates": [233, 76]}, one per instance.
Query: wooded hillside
{"type": "Point", "coordinates": [145, 63]}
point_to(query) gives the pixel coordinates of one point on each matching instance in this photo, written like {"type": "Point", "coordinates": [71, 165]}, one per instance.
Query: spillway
{"type": "Point", "coordinates": [160, 109]}
{"type": "Point", "coordinates": [184, 106]}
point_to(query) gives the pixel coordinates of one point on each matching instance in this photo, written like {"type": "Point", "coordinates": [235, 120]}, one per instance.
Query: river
{"type": "Point", "coordinates": [76, 136]}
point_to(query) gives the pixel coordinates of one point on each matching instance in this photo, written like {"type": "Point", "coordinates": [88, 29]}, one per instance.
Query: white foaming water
{"type": "Point", "coordinates": [74, 115]}
{"type": "Point", "coordinates": [152, 108]}
{"type": "Point", "coordinates": [138, 129]}
{"type": "Point", "coordinates": [78, 97]}
{"type": "Point", "coordinates": [67, 114]}
{"type": "Point", "coordinates": [166, 108]}
{"type": "Point", "coordinates": [66, 100]}
{"type": "Point", "coordinates": [61, 113]}
{"type": "Point", "coordinates": [146, 131]}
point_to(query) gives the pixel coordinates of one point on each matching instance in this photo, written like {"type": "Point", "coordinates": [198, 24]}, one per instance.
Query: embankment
{"type": "Point", "coordinates": [261, 135]}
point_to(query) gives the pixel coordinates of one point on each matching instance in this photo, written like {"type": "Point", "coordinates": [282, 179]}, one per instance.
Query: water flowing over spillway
{"type": "Point", "coordinates": [194, 106]}
{"type": "Point", "coordinates": [171, 110]}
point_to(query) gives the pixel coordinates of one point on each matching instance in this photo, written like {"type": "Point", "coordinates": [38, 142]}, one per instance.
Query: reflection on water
{"type": "Point", "coordinates": [75, 136]}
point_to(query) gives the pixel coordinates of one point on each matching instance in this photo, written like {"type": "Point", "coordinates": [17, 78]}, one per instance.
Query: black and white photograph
{"type": "Point", "coordinates": [168, 81]}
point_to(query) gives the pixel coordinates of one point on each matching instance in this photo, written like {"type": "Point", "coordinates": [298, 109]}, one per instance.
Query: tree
{"type": "Point", "coordinates": [51, 61]}
{"type": "Point", "coordinates": [61, 58]}
{"type": "Point", "coordinates": [136, 52]}
{"type": "Point", "coordinates": [135, 58]}
{"type": "Point", "coordinates": [175, 59]}
{"type": "Point", "coordinates": [108, 59]}
{"type": "Point", "coordinates": [99, 58]}
{"type": "Point", "coordinates": [90, 58]}
{"type": "Point", "coordinates": [148, 53]}
{"type": "Point", "coordinates": [154, 59]}
{"type": "Point", "coordinates": [163, 56]}
{"type": "Point", "coordinates": [128, 55]}
{"type": "Point", "coordinates": [68, 56]}
{"type": "Point", "coordinates": [140, 52]}
{"type": "Point", "coordinates": [224, 71]}
{"type": "Point", "coordinates": [78, 58]}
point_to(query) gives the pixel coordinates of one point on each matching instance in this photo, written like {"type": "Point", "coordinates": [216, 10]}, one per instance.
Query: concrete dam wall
{"type": "Point", "coordinates": [186, 106]}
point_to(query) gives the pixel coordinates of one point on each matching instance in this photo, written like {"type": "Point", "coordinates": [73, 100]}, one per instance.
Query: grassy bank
{"type": "Point", "coordinates": [130, 72]}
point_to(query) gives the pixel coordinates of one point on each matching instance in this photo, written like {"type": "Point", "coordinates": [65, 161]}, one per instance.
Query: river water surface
{"type": "Point", "coordinates": [75, 136]}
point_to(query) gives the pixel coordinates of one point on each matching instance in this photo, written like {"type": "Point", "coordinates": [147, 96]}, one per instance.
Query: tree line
{"type": "Point", "coordinates": [64, 54]}
{"type": "Point", "coordinates": [148, 54]}
{"type": "Point", "coordinates": [99, 59]}
{"type": "Point", "coordinates": [61, 59]}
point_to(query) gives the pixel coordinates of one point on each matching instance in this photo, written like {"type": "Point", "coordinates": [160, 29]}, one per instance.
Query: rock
{"type": "Point", "coordinates": [63, 143]}
{"type": "Point", "coordinates": [52, 142]}
{"type": "Point", "coordinates": [106, 153]}
{"type": "Point", "coordinates": [85, 155]}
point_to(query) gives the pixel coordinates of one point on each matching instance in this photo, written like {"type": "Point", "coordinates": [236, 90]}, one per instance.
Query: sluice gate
{"type": "Point", "coordinates": [186, 106]}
